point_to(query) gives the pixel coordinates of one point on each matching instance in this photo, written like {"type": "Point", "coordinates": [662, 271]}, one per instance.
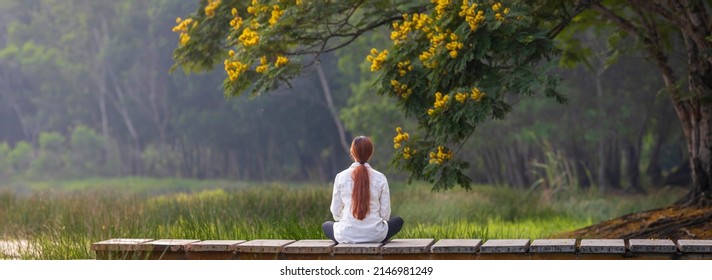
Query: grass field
{"type": "Point", "coordinates": [61, 219]}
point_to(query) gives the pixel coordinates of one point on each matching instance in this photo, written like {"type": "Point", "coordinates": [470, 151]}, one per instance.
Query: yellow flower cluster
{"type": "Point", "coordinates": [231, 53]}
{"type": "Point", "coordinates": [496, 7]}
{"type": "Point", "coordinates": [249, 37]}
{"type": "Point", "coordinates": [236, 21]}
{"type": "Point", "coordinates": [377, 59]}
{"type": "Point", "coordinates": [440, 6]}
{"type": "Point", "coordinates": [400, 138]}
{"type": "Point", "coordinates": [401, 90]}
{"type": "Point", "coordinates": [184, 38]}
{"type": "Point", "coordinates": [263, 65]}
{"type": "Point", "coordinates": [182, 25]}
{"type": "Point", "coordinates": [401, 30]}
{"type": "Point", "coordinates": [461, 97]}
{"type": "Point", "coordinates": [210, 8]}
{"type": "Point", "coordinates": [441, 156]}
{"type": "Point", "coordinates": [422, 22]}
{"type": "Point", "coordinates": [477, 94]}
{"type": "Point", "coordinates": [404, 67]}
{"type": "Point", "coordinates": [408, 152]}
{"type": "Point", "coordinates": [472, 17]}
{"type": "Point", "coordinates": [276, 14]}
{"type": "Point", "coordinates": [234, 69]}
{"type": "Point", "coordinates": [426, 58]}
{"type": "Point", "coordinates": [182, 28]}
{"type": "Point", "coordinates": [281, 60]}
{"type": "Point", "coordinates": [454, 45]}
{"type": "Point", "coordinates": [255, 8]}
{"type": "Point", "coordinates": [440, 103]}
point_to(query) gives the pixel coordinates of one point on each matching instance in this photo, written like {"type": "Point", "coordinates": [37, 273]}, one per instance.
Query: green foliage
{"type": "Point", "coordinates": [50, 159]}
{"type": "Point", "coordinates": [87, 151]}
{"type": "Point", "coordinates": [20, 157]}
{"type": "Point", "coordinates": [499, 58]}
{"type": "Point", "coordinates": [6, 168]}
{"type": "Point", "coordinates": [309, 28]}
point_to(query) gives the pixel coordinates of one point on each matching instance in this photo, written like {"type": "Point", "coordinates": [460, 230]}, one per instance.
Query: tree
{"type": "Point", "coordinates": [453, 65]}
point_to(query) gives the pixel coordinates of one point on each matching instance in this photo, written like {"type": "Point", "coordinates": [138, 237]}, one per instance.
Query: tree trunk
{"type": "Point", "coordinates": [613, 172]}
{"type": "Point", "coordinates": [653, 170]}
{"type": "Point", "coordinates": [696, 116]}
{"type": "Point", "coordinates": [332, 109]}
{"type": "Point", "coordinates": [602, 159]}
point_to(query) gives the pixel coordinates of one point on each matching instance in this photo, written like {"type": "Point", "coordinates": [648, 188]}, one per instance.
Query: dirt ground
{"type": "Point", "coordinates": [674, 222]}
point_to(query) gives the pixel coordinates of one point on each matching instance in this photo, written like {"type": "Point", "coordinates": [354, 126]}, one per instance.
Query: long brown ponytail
{"type": "Point", "coordinates": [361, 150]}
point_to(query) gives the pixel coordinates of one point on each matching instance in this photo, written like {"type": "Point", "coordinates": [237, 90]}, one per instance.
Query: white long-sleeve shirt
{"type": "Point", "coordinates": [374, 227]}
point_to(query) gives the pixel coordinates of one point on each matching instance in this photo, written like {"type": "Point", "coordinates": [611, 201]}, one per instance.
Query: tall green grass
{"type": "Point", "coordinates": [61, 220]}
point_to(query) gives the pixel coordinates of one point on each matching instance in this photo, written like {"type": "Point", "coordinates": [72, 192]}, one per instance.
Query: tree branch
{"type": "Point", "coordinates": [581, 6]}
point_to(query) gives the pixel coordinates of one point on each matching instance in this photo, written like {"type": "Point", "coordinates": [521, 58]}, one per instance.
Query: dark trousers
{"type": "Point", "coordinates": [394, 226]}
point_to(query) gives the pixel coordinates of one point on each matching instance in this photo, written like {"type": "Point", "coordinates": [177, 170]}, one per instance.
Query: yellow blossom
{"type": "Point", "coordinates": [440, 7]}
{"type": "Point", "coordinates": [210, 8]}
{"type": "Point", "coordinates": [234, 69]}
{"type": "Point", "coordinates": [236, 21]}
{"type": "Point", "coordinates": [261, 68]}
{"type": "Point", "coordinates": [440, 103]}
{"type": "Point", "coordinates": [461, 97]}
{"type": "Point", "coordinates": [299, 2]}
{"type": "Point", "coordinates": [281, 60]}
{"type": "Point", "coordinates": [400, 138]}
{"type": "Point", "coordinates": [401, 90]}
{"type": "Point", "coordinates": [182, 25]}
{"type": "Point", "coordinates": [472, 16]}
{"type": "Point", "coordinates": [249, 37]}
{"type": "Point", "coordinates": [404, 67]}
{"type": "Point", "coordinates": [263, 65]}
{"type": "Point", "coordinates": [440, 156]}
{"type": "Point", "coordinates": [276, 14]}
{"type": "Point", "coordinates": [377, 59]}
{"type": "Point", "coordinates": [231, 53]}
{"type": "Point", "coordinates": [477, 94]}
{"type": "Point", "coordinates": [496, 6]}
{"type": "Point", "coordinates": [408, 152]}
{"type": "Point", "coordinates": [184, 38]}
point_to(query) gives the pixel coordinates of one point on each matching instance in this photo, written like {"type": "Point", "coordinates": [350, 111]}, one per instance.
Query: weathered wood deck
{"type": "Point", "coordinates": [403, 249]}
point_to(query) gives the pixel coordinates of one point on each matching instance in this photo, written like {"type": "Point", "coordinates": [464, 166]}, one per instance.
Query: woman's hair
{"type": "Point", "coordinates": [361, 150]}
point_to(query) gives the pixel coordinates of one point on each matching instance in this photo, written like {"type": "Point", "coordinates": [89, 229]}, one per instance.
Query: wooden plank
{"type": "Point", "coordinates": [408, 246]}
{"type": "Point", "coordinates": [310, 246]}
{"type": "Point", "coordinates": [119, 244]}
{"type": "Point", "coordinates": [499, 246]}
{"type": "Point", "coordinates": [263, 246]}
{"type": "Point", "coordinates": [171, 245]}
{"type": "Point", "coordinates": [651, 246]}
{"type": "Point", "coordinates": [358, 248]}
{"type": "Point", "coordinates": [602, 246]}
{"type": "Point", "coordinates": [456, 246]}
{"type": "Point", "coordinates": [553, 246]}
{"type": "Point", "coordinates": [214, 246]}
{"type": "Point", "coordinates": [694, 246]}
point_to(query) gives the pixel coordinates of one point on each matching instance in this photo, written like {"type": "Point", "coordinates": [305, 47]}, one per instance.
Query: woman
{"type": "Point", "coordinates": [361, 202]}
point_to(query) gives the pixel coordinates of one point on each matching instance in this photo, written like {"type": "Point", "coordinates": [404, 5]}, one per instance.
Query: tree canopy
{"type": "Point", "coordinates": [451, 65]}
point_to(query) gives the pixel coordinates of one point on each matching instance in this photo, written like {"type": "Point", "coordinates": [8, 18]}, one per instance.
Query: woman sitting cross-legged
{"type": "Point", "coordinates": [361, 201]}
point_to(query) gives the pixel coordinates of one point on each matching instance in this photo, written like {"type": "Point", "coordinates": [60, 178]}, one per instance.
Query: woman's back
{"type": "Point", "coordinates": [373, 227]}
{"type": "Point", "coordinates": [361, 201]}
